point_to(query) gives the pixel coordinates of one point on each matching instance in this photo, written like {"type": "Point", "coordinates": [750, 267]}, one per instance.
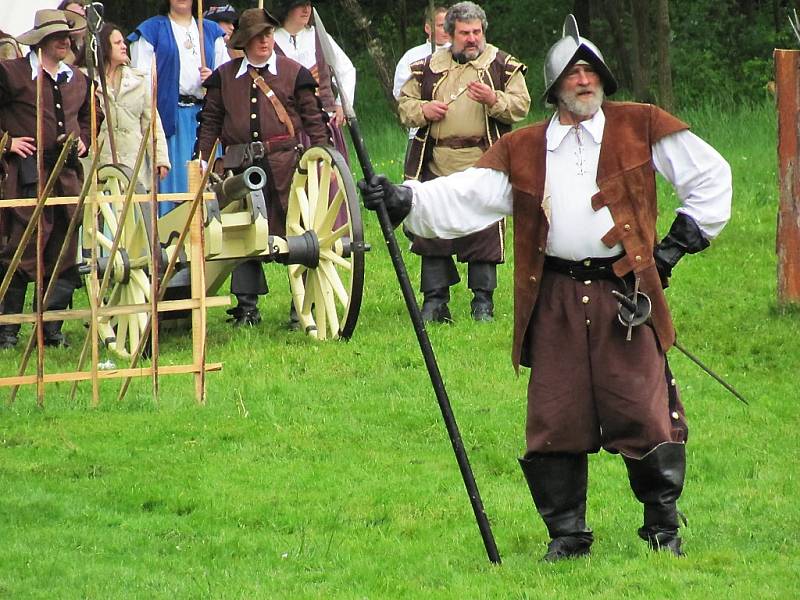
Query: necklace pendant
{"type": "Point", "coordinates": [188, 44]}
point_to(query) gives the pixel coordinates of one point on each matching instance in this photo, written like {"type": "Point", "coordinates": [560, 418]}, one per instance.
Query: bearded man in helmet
{"type": "Point", "coordinates": [581, 188]}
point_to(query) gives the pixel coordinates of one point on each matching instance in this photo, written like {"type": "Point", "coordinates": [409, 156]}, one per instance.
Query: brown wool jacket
{"type": "Point", "coordinates": [18, 118]}
{"type": "Point", "coordinates": [626, 179]}
{"type": "Point", "coordinates": [225, 114]}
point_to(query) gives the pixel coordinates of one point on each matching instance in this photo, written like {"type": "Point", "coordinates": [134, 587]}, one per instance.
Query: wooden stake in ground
{"type": "Point", "coordinates": [39, 293]}
{"type": "Point", "coordinates": [787, 83]}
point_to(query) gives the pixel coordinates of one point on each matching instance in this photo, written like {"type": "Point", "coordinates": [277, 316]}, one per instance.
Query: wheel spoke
{"type": "Point", "coordinates": [104, 241]}
{"type": "Point", "coordinates": [320, 315]}
{"type": "Point", "coordinates": [302, 204]}
{"type": "Point", "coordinates": [328, 240]}
{"type": "Point", "coordinates": [110, 216]}
{"type": "Point", "coordinates": [308, 298]}
{"type": "Point", "coordinates": [313, 193]}
{"type": "Point", "coordinates": [335, 281]}
{"type": "Point", "coordinates": [324, 228]}
{"type": "Point", "coordinates": [330, 305]}
{"type": "Point", "coordinates": [323, 194]}
{"type": "Point", "coordinates": [295, 229]}
{"type": "Point", "coordinates": [335, 258]}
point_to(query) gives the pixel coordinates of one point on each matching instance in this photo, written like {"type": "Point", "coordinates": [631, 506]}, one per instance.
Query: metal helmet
{"type": "Point", "coordinates": [568, 50]}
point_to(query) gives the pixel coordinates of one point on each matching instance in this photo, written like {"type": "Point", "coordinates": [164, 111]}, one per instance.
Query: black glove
{"type": "Point", "coordinates": [684, 237]}
{"type": "Point", "coordinates": [379, 190]}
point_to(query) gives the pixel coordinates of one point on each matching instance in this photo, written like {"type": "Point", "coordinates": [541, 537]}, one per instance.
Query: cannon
{"type": "Point", "coordinates": [323, 248]}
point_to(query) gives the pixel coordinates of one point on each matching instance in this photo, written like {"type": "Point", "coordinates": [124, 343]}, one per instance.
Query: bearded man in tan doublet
{"type": "Point", "coordinates": [462, 99]}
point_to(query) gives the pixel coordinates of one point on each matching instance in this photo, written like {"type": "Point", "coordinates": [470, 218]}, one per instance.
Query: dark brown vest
{"type": "Point", "coordinates": [420, 151]}
{"type": "Point", "coordinates": [322, 73]}
{"type": "Point", "coordinates": [626, 179]}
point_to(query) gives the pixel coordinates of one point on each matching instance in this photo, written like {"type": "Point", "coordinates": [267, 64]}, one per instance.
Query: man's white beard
{"type": "Point", "coordinates": [582, 108]}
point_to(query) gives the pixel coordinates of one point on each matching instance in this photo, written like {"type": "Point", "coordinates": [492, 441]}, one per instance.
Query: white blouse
{"type": "Point", "coordinates": [303, 48]}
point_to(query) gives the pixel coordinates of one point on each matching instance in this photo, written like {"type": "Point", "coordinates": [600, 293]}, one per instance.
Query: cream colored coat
{"type": "Point", "coordinates": [130, 115]}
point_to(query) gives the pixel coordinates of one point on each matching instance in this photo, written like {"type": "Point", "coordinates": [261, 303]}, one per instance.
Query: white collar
{"type": "Point", "coordinates": [63, 67]}
{"type": "Point", "coordinates": [556, 132]}
{"type": "Point", "coordinates": [272, 64]}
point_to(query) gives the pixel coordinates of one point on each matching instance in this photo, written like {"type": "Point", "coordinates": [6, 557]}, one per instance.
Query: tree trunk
{"type": "Point", "coordinates": [640, 37]}
{"type": "Point", "coordinates": [375, 49]}
{"type": "Point", "coordinates": [624, 58]}
{"type": "Point", "coordinates": [665, 96]}
{"type": "Point", "coordinates": [581, 9]}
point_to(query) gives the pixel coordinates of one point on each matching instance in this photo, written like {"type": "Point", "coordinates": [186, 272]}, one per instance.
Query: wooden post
{"type": "Point", "coordinates": [198, 275]}
{"type": "Point", "coordinates": [39, 282]}
{"type": "Point", "coordinates": [787, 83]}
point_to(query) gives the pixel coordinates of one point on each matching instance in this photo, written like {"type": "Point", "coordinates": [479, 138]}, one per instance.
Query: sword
{"type": "Point", "coordinates": [632, 308]}
{"type": "Point", "coordinates": [413, 309]}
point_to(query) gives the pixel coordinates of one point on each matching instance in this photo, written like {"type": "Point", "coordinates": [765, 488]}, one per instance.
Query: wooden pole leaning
{"type": "Point", "coordinates": [787, 84]}
{"type": "Point", "coordinates": [71, 230]}
{"type": "Point", "coordinates": [201, 35]}
{"type": "Point", "coordinates": [39, 233]}
{"type": "Point", "coordinates": [168, 272]}
{"type": "Point", "coordinates": [198, 284]}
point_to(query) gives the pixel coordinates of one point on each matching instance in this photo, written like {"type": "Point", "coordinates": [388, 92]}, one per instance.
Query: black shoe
{"type": "Point", "coordinates": [483, 313]}
{"type": "Point", "coordinates": [436, 313]}
{"type": "Point", "coordinates": [56, 340]}
{"type": "Point", "coordinates": [240, 316]}
{"type": "Point", "coordinates": [666, 540]}
{"type": "Point", "coordinates": [567, 546]}
{"type": "Point", "coordinates": [8, 340]}
{"type": "Point", "coordinates": [482, 306]}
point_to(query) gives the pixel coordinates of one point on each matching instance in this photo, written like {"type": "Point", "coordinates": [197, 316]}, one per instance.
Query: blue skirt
{"type": "Point", "coordinates": [181, 147]}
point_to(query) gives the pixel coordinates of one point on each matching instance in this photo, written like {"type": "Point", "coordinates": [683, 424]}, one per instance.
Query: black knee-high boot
{"type": "Point", "coordinates": [657, 481]}
{"type": "Point", "coordinates": [13, 303]}
{"type": "Point", "coordinates": [482, 280]}
{"type": "Point", "coordinates": [438, 274]}
{"type": "Point", "coordinates": [60, 299]}
{"type": "Point", "coordinates": [558, 485]}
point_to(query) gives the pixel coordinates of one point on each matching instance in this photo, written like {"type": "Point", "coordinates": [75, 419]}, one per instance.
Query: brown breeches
{"type": "Point", "coordinates": [482, 246]}
{"type": "Point", "coordinates": [589, 387]}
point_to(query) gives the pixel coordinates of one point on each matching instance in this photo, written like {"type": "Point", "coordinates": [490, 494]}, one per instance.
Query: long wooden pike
{"type": "Point", "coordinates": [155, 242]}
{"type": "Point", "coordinates": [71, 229]}
{"type": "Point", "coordinates": [129, 193]}
{"type": "Point", "coordinates": [168, 273]}
{"type": "Point", "coordinates": [201, 35]}
{"type": "Point", "coordinates": [93, 297]}
{"type": "Point", "coordinates": [40, 233]}
{"type": "Point", "coordinates": [37, 210]}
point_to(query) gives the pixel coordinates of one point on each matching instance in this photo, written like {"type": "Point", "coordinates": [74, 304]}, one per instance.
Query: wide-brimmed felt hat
{"type": "Point", "coordinates": [253, 22]}
{"type": "Point", "coordinates": [281, 8]}
{"type": "Point", "coordinates": [222, 12]}
{"type": "Point", "coordinates": [50, 21]}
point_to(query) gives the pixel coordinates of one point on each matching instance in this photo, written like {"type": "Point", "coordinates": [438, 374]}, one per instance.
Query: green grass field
{"type": "Point", "coordinates": [324, 470]}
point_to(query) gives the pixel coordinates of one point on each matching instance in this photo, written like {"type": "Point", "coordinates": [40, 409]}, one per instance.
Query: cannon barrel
{"type": "Point", "coordinates": [237, 187]}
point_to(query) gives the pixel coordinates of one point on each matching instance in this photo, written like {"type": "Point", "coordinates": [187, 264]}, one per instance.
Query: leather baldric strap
{"type": "Point", "coordinates": [283, 116]}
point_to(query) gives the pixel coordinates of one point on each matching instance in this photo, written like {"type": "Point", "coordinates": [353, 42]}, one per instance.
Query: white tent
{"type": "Point", "coordinates": [16, 16]}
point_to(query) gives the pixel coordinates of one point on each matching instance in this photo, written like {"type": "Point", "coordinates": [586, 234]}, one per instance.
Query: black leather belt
{"type": "Point", "coordinates": [583, 270]}
{"type": "Point", "coordinates": [184, 100]}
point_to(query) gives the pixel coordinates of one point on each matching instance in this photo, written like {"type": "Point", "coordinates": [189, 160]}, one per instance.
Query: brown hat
{"type": "Point", "coordinates": [253, 22]}
{"type": "Point", "coordinates": [49, 21]}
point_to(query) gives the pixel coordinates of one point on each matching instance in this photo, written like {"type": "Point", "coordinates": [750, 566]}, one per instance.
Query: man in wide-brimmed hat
{"type": "Point", "coordinates": [65, 106]}
{"type": "Point", "coordinates": [280, 95]}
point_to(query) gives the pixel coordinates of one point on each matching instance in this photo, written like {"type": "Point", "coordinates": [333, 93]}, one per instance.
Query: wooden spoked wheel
{"type": "Point", "coordinates": [323, 202]}
{"type": "Point", "coordinates": [129, 282]}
